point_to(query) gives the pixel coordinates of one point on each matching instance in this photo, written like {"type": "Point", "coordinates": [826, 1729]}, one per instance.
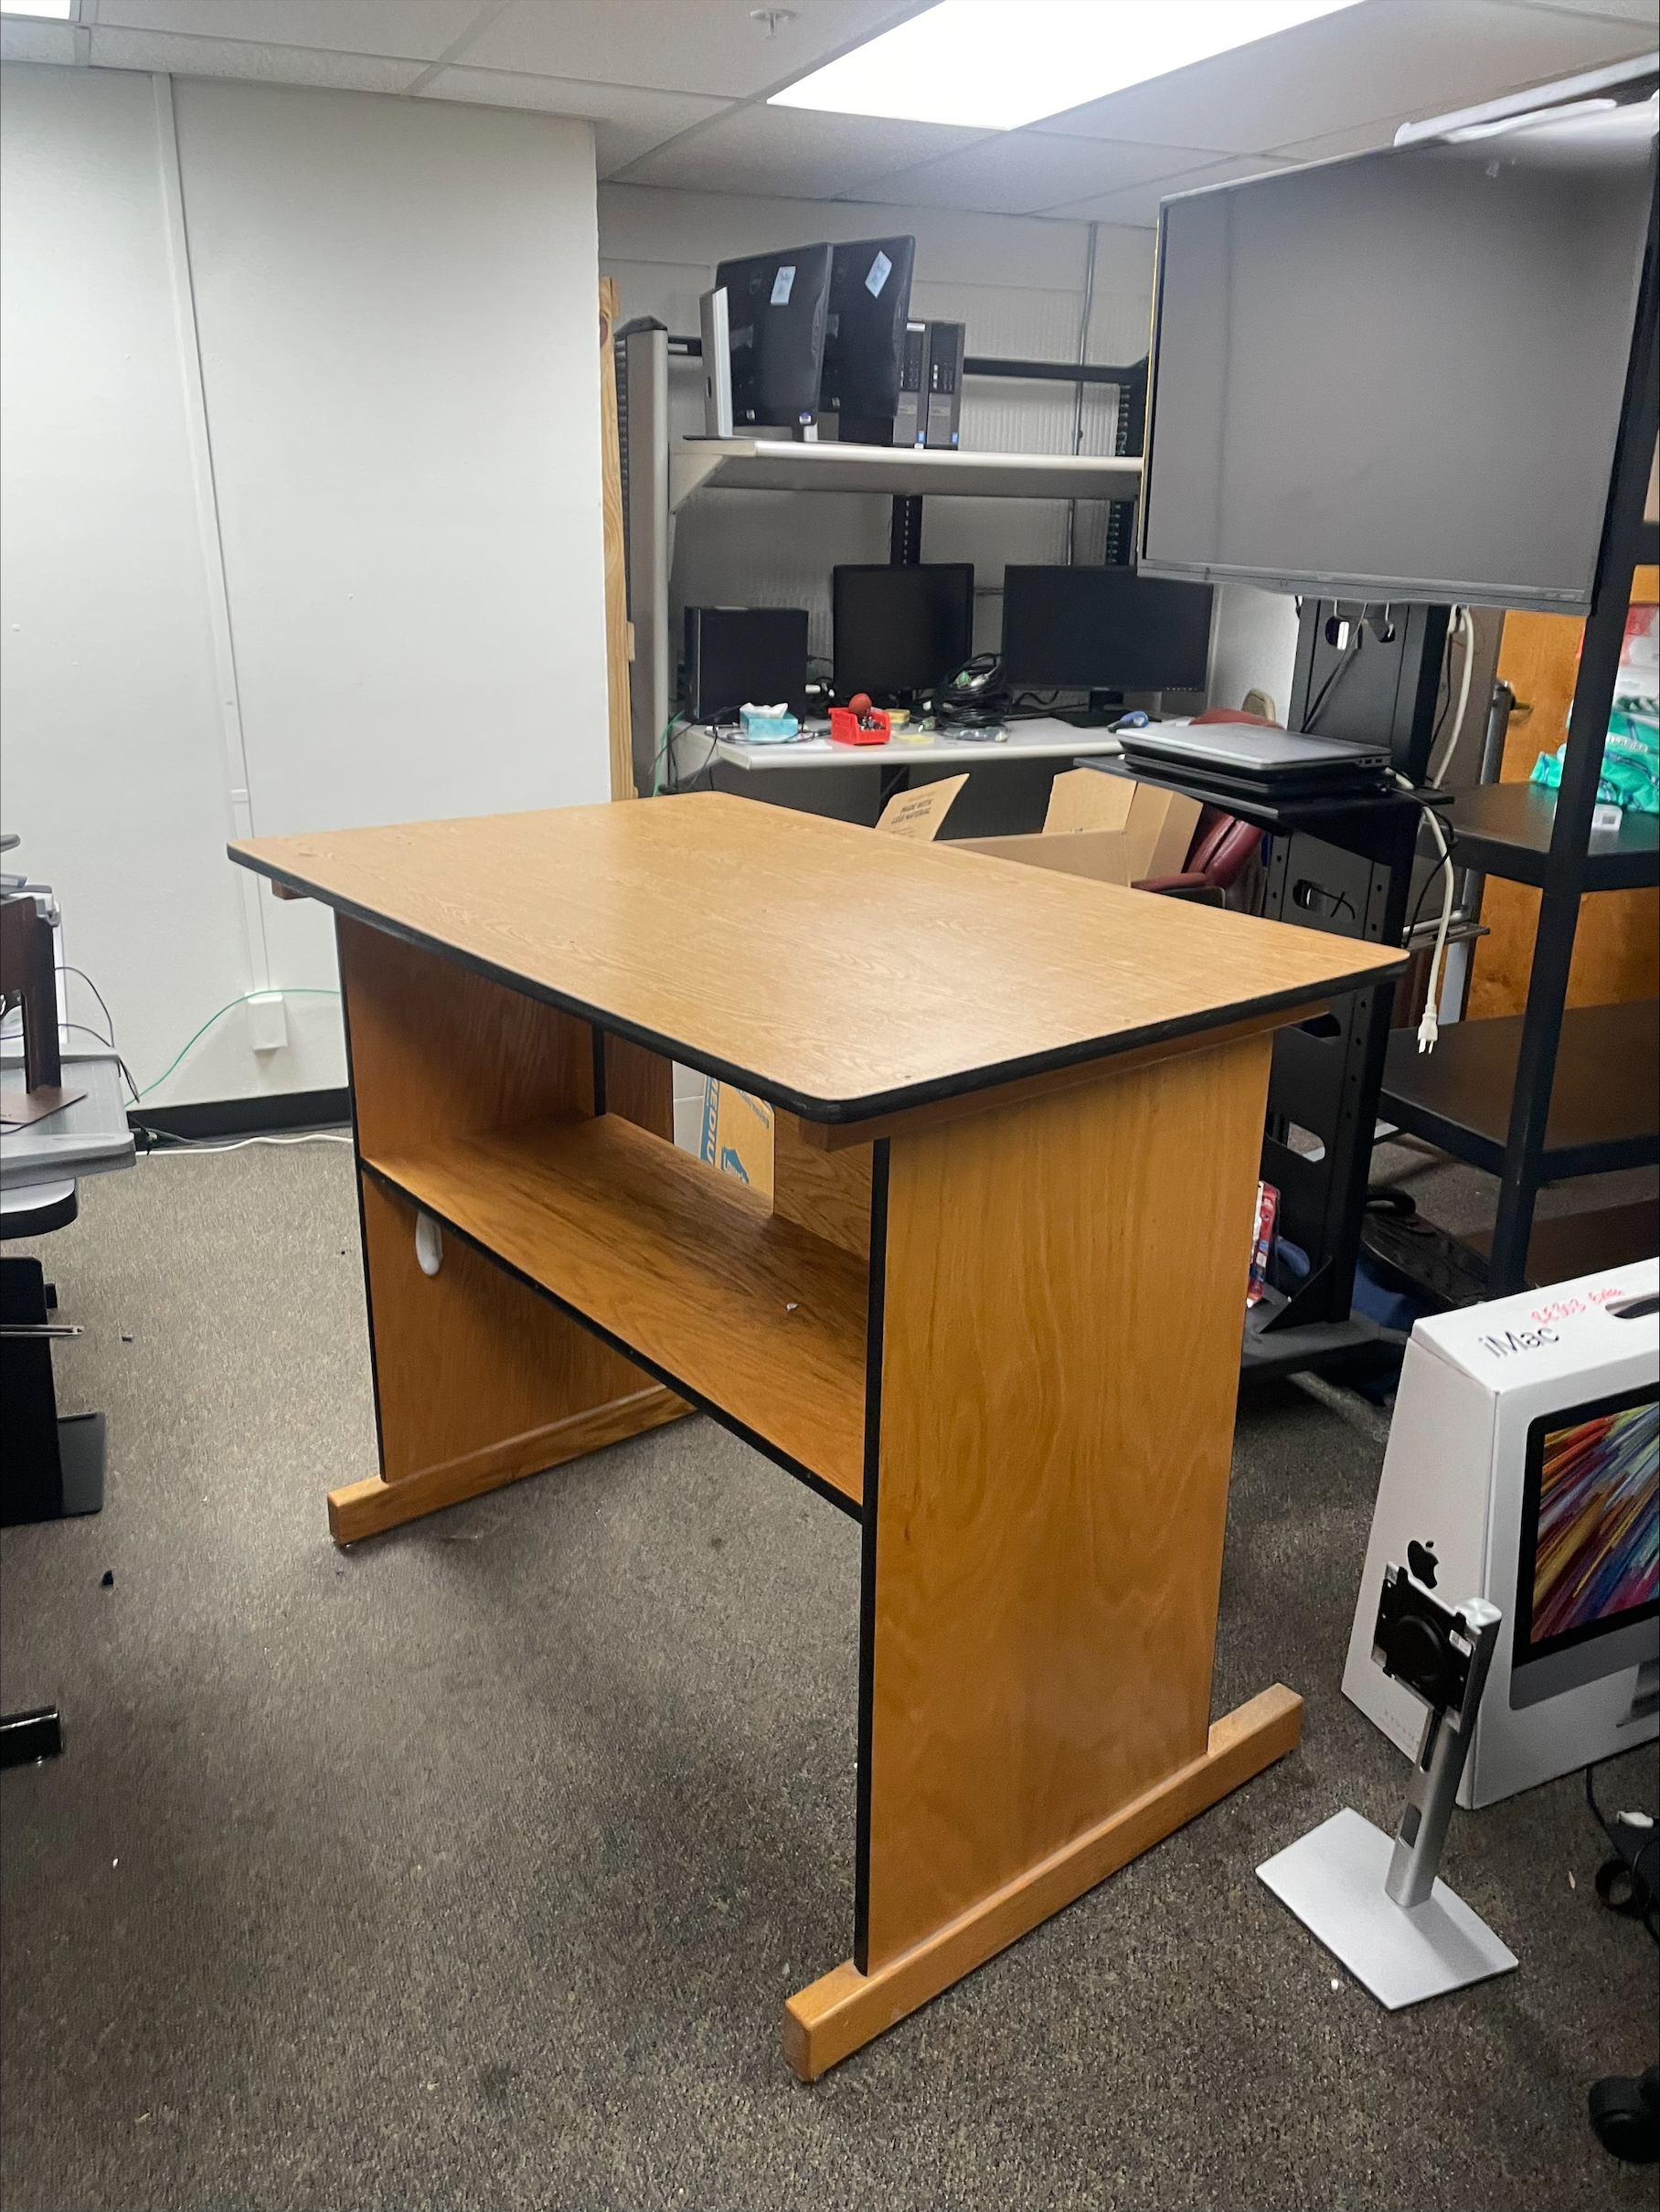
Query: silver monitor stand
{"type": "Point", "coordinates": [1374, 1901]}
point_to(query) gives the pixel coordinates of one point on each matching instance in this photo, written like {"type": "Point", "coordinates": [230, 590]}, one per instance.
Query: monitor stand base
{"type": "Point", "coordinates": [1104, 708]}
{"type": "Point", "coordinates": [1333, 1880]}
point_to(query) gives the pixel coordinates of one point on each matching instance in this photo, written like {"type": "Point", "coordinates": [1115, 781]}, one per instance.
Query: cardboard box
{"type": "Point", "coordinates": [736, 1134]}
{"type": "Point", "coordinates": [1105, 827]}
{"type": "Point", "coordinates": [917, 814]}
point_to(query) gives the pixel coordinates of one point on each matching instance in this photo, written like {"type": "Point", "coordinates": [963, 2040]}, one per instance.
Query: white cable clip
{"type": "Point", "coordinates": [429, 1244]}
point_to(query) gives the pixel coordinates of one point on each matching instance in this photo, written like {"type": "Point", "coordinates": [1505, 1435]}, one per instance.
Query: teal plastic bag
{"type": "Point", "coordinates": [1630, 759]}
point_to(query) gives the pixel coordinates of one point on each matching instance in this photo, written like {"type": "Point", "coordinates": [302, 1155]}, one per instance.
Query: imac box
{"type": "Point", "coordinates": [1524, 1465]}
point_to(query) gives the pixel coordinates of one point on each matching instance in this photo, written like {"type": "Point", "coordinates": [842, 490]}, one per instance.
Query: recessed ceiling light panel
{"type": "Point", "coordinates": [995, 64]}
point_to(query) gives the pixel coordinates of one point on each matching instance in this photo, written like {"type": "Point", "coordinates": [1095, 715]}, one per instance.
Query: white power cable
{"type": "Point", "coordinates": [315, 1137]}
{"type": "Point", "coordinates": [1462, 629]}
{"type": "Point", "coordinates": [1428, 1030]}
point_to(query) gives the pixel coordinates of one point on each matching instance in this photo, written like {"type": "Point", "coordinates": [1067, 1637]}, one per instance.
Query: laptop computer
{"type": "Point", "coordinates": [1245, 753]}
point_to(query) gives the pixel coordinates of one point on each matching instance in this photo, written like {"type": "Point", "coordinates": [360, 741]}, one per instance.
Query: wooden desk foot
{"type": "Point", "coordinates": [846, 2009]}
{"type": "Point", "coordinates": [365, 1509]}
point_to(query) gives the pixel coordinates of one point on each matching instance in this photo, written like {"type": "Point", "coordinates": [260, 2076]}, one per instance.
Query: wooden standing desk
{"type": "Point", "coordinates": [992, 1312]}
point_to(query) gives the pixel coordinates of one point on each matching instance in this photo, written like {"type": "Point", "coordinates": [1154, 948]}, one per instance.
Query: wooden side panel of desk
{"type": "Point", "coordinates": [477, 1381]}
{"type": "Point", "coordinates": [1065, 1293]}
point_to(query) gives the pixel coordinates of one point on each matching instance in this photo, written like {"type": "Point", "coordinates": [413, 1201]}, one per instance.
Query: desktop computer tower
{"type": "Point", "coordinates": [744, 655]}
{"type": "Point", "coordinates": [931, 385]}
{"type": "Point", "coordinates": [908, 422]}
{"type": "Point", "coordinates": [943, 387]}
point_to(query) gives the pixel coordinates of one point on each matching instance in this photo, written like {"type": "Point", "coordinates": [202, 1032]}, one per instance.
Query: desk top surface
{"type": "Point", "coordinates": [1036, 737]}
{"type": "Point", "coordinates": [836, 971]}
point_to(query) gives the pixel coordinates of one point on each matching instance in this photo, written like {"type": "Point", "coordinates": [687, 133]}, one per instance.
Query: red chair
{"type": "Point", "coordinates": [1221, 844]}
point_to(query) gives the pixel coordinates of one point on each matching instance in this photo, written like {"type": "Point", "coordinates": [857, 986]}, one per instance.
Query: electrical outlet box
{"type": "Point", "coordinates": [267, 1021]}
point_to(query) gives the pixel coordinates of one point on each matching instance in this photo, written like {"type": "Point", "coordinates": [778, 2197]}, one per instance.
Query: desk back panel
{"type": "Point", "coordinates": [478, 1379]}
{"type": "Point", "coordinates": [1065, 1291]}
{"type": "Point", "coordinates": [826, 1192]}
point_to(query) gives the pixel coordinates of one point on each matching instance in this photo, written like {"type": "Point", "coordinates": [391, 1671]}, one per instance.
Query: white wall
{"type": "Point", "coordinates": [1017, 282]}
{"type": "Point", "coordinates": [113, 762]}
{"type": "Point", "coordinates": [374, 346]}
{"type": "Point", "coordinates": [1253, 645]}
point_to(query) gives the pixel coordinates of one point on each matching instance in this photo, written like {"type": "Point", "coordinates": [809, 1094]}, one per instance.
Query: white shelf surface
{"type": "Point", "coordinates": [779, 464]}
{"type": "Point", "coordinates": [1041, 738]}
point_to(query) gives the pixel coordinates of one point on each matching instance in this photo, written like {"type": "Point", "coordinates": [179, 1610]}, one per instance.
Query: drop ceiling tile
{"type": "Point", "coordinates": [794, 153]}
{"type": "Point", "coordinates": [671, 111]}
{"type": "Point", "coordinates": [1137, 204]}
{"type": "Point", "coordinates": [412, 30]}
{"type": "Point", "coordinates": [628, 120]}
{"type": "Point", "coordinates": [688, 46]}
{"type": "Point", "coordinates": [1385, 57]}
{"type": "Point", "coordinates": [1358, 138]}
{"type": "Point", "coordinates": [181, 57]}
{"type": "Point", "coordinates": [47, 42]}
{"type": "Point", "coordinates": [1020, 172]}
{"type": "Point", "coordinates": [1627, 10]}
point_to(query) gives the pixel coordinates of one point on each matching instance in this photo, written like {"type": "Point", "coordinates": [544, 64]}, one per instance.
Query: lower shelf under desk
{"type": "Point", "coordinates": [733, 1306]}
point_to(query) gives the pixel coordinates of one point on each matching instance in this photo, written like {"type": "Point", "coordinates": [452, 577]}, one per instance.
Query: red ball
{"type": "Point", "coordinates": [860, 702]}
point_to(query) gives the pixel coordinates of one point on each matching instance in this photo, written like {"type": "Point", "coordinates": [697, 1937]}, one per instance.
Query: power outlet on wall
{"type": "Point", "coordinates": [267, 1021]}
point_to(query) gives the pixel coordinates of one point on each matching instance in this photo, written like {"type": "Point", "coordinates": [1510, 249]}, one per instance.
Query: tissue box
{"type": "Point", "coordinates": [764, 722]}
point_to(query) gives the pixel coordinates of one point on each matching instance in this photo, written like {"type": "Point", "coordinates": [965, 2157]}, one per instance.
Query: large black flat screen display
{"type": "Point", "coordinates": [1400, 376]}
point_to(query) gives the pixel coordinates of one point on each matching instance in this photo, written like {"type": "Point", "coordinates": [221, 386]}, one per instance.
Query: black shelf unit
{"type": "Point", "coordinates": [1342, 866]}
{"type": "Point", "coordinates": [1565, 1245]}
{"type": "Point", "coordinates": [1602, 1104]}
{"type": "Point", "coordinates": [1551, 1124]}
{"type": "Point", "coordinates": [1506, 829]}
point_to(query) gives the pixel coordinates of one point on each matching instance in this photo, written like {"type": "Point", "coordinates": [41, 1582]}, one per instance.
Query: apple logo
{"type": "Point", "coordinates": [1422, 1563]}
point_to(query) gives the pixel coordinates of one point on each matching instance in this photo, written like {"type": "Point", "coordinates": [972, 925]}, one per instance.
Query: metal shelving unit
{"type": "Point", "coordinates": [1565, 1245]}
{"type": "Point", "coordinates": [1551, 1094]}
{"type": "Point", "coordinates": [1506, 829]}
{"type": "Point", "coordinates": [778, 464]}
{"type": "Point", "coordinates": [1602, 1112]}
{"type": "Point", "coordinates": [660, 474]}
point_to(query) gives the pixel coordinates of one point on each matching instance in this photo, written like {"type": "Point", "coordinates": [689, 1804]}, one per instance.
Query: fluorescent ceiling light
{"type": "Point", "coordinates": [995, 64]}
{"type": "Point", "coordinates": [54, 11]}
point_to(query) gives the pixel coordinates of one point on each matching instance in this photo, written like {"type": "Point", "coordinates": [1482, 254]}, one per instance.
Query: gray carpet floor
{"type": "Point", "coordinates": [470, 1867]}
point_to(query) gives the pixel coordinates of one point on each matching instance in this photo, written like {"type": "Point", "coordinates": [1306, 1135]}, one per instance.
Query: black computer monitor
{"type": "Point", "coordinates": [865, 335]}
{"type": "Point", "coordinates": [898, 631]}
{"type": "Point", "coordinates": [776, 304]}
{"type": "Point", "coordinates": [1104, 630]}
{"type": "Point", "coordinates": [1400, 375]}
{"type": "Point", "coordinates": [1587, 1596]}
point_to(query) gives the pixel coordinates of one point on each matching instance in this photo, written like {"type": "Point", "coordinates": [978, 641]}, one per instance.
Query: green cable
{"type": "Point", "coordinates": [305, 991]}
{"type": "Point", "coordinates": [662, 747]}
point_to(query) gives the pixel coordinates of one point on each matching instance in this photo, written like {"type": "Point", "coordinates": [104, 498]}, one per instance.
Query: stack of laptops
{"type": "Point", "coordinates": [1245, 760]}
